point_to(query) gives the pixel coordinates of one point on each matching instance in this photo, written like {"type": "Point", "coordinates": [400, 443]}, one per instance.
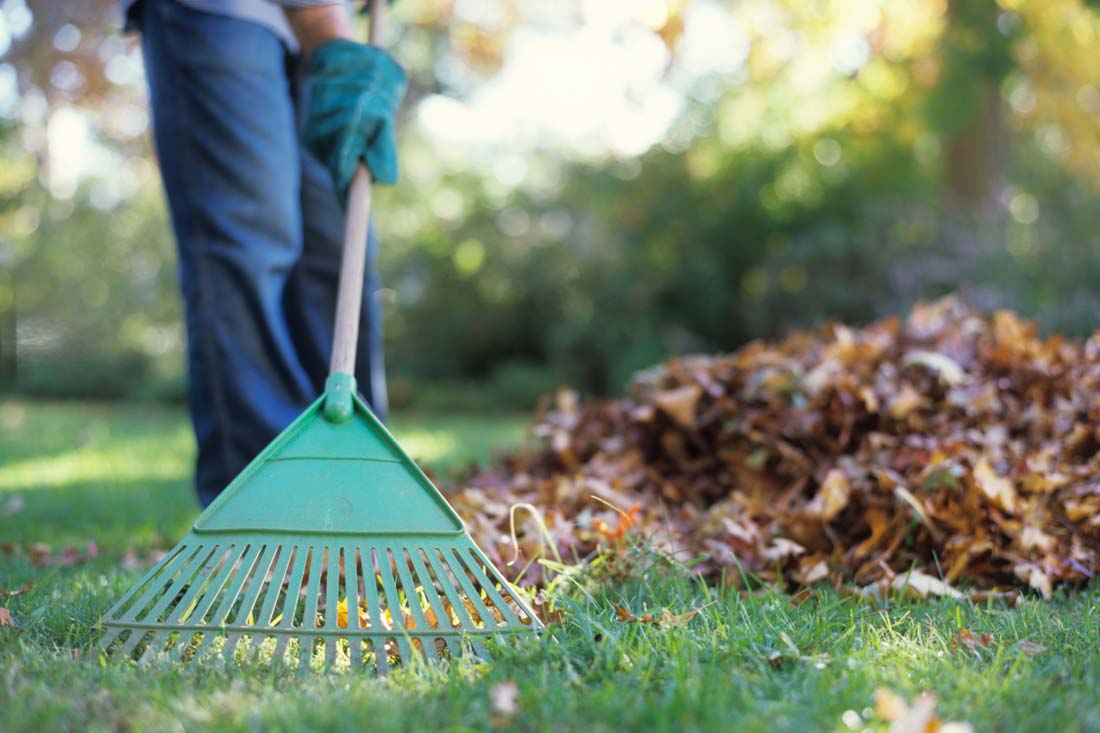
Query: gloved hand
{"type": "Point", "coordinates": [354, 95]}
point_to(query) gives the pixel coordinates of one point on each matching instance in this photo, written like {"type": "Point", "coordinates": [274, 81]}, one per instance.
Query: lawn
{"type": "Point", "coordinates": [117, 476]}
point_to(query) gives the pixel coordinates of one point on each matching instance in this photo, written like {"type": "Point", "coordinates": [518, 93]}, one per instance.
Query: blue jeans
{"type": "Point", "coordinates": [259, 231]}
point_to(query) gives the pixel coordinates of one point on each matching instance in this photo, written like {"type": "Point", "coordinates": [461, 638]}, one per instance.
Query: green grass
{"type": "Point", "coordinates": [119, 476]}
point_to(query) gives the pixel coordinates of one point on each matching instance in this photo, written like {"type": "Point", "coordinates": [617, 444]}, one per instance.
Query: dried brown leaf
{"type": "Point", "coordinates": [970, 640]}
{"type": "Point", "coordinates": [679, 404]}
{"type": "Point", "coordinates": [1030, 648]}
{"type": "Point", "coordinates": [6, 620]}
{"type": "Point", "coordinates": [18, 591]}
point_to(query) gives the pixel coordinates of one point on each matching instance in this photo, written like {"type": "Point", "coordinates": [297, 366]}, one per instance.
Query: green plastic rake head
{"type": "Point", "coordinates": [331, 548]}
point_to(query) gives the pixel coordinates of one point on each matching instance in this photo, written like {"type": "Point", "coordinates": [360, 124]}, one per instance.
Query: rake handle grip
{"type": "Point", "coordinates": [349, 296]}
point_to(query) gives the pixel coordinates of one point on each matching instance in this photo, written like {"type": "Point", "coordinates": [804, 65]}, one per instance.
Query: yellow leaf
{"type": "Point", "coordinates": [834, 494]}
{"type": "Point", "coordinates": [996, 488]}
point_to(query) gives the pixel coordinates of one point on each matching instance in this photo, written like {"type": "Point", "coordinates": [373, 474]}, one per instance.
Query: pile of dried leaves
{"type": "Point", "coordinates": [953, 444]}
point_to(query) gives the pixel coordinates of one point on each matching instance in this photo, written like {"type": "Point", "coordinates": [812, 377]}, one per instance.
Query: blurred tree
{"type": "Point", "coordinates": [825, 158]}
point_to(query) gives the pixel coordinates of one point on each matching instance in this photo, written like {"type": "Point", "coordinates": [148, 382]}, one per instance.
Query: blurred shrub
{"type": "Point", "coordinates": [954, 150]}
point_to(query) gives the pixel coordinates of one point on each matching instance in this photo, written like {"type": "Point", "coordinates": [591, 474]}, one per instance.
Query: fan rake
{"type": "Point", "coordinates": [332, 547]}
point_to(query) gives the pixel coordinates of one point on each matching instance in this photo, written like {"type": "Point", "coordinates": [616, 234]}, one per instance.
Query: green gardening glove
{"type": "Point", "coordinates": [355, 91]}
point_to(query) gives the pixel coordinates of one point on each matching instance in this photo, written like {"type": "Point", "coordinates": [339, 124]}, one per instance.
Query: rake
{"type": "Point", "coordinates": [332, 548]}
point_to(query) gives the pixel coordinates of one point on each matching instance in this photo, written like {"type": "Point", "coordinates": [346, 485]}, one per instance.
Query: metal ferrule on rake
{"type": "Point", "coordinates": [332, 547]}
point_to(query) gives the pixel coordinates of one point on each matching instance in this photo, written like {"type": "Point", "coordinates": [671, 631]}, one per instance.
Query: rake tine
{"type": "Point", "coordinates": [411, 597]}
{"type": "Point", "coordinates": [313, 590]}
{"type": "Point", "coordinates": [480, 650]}
{"type": "Point", "coordinates": [128, 646]}
{"type": "Point", "coordinates": [471, 593]}
{"type": "Point", "coordinates": [305, 653]}
{"type": "Point", "coordinates": [465, 620]}
{"type": "Point", "coordinates": [188, 578]}
{"type": "Point", "coordinates": [393, 602]}
{"type": "Point", "coordinates": [274, 587]}
{"type": "Point", "coordinates": [294, 587]}
{"type": "Point", "coordinates": [146, 579]}
{"type": "Point", "coordinates": [177, 648]}
{"type": "Point", "coordinates": [256, 648]}
{"type": "Point", "coordinates": [256, 576]}
{"type": "Point", "coordinates": [165, 579]}
{"type": "Point", "coordinates": [208, 638]}
{"type": "Point", "coordinates": [381, 656]}
{"type": "Point", "coordinates": [174, 642]}
{"type": "Point", "coordinates": [231, 641]}
{"type": "Point", "coordinates": [442, 618]}
{"type": "Point", "coordinates": [490, 589]}
{"type": "Point", "coordinates": [428, 649]}
{"type": "Point", "coordinates": [355, 652]}
{"type": "Point", "coordinates": [231, 588]}
{"type": "Point", "coordinates": [150, 650]}
{"type": "Point", "coordinates": [351, 587]}
{"type": "Point", "coordinates": [405, 649]}
{"type": "Point", "coordinates": [110, 637]}
{"type": "Point", "coordinates": [371, 655]}
{"type": "Point", "coordinates": [207, 592]}
{"type": "Point", "coordinates": [332, 594]}
{"type": "Point", "coordinates": [195, 589]}
{"type": "Point", "coordinates": [279, 655]}
{"type": "Point", "coordinates": [370, 587]}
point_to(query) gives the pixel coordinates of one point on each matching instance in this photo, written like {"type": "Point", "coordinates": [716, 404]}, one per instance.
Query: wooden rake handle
{"type": "Point", "coordinates": [349, 296]}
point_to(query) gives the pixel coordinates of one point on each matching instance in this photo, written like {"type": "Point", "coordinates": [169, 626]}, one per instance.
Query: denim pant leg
{"type": "Point", "coordinates": [311, 293]}
{"type": "Point", "coordinates": [226, 138]}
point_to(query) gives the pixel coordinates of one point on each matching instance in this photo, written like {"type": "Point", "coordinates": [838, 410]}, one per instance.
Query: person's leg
{"type": "Point", "coordinates": [226, 138]}
{"type": "Point", "coordinates": [311, 292]}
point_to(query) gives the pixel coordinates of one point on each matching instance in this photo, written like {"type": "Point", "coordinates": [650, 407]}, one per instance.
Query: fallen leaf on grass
{"type": "Point", "coordinates": [69, 556]}
{"type": "Point", "coordinates": [924, 585]}
{"type": "Point", "coordinates": [1036, 578]}
{"type": "Point", "coordinates": [1030, 648]}
{"type": "Point", "coordinates": [666, 620]}
{"type": "Point", "coordinates": [6, 619]}
{"type": "Point", "coordinates": [970, 640]}
{"type": "Point", "coordinates": [39, 553]}
{"type": "Point", "coordinates": [504, 699]}
{"type": "Point", "coordinates": [920, 717]}
{"type": "Point", "coordinates": [18, 591]}
{"type": "Point", "coordinates": [549, 616]}
{"type": "Point", "coordinates": [13, 505]}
